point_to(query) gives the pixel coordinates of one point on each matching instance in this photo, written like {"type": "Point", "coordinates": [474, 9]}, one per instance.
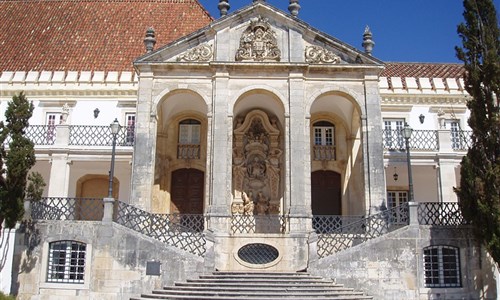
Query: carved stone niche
{"type": "Point", "coordinates": [256, 165]}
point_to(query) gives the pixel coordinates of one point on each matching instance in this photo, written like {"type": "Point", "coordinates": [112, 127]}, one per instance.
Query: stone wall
{"type": "Point", "coordinates": [390, 267]}
{"type": "Point", "coordinates": [115, 263]}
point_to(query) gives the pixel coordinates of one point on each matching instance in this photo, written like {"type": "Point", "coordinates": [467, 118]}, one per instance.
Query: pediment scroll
{"type": "Point", "coordinates": [203, 52]}
{"type": "Point", "coordinates": [318, 55]}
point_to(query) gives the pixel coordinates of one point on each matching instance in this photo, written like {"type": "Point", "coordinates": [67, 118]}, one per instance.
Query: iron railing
{"type": "Point", "coordinates": [84, 135]}
{"type": "Point", "coordinates": [41, 135]}
{"type": "Point", "coordinates": [440, 214]}
{"type": "Point", "coordinates": [333, 223]}
{"type": "Point", "coordinates": [362, 230]}
{"type": "Point", "coordinates": [181, 231]}
{"type": "Point", "coordinates": [461, 140]}
{"type": "Point", "coordinates": [62, 208]}
{"type": "Point", "coordinates": [258, 224]}
{"type": "Point", "coordinates": [423, 140]}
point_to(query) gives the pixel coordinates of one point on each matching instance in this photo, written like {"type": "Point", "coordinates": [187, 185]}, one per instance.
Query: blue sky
{"type": "Point", "coordinates": [403, 30]}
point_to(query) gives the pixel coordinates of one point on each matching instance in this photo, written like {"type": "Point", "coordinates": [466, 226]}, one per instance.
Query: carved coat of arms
{"type": "Point", "coordinates": [258, 42]}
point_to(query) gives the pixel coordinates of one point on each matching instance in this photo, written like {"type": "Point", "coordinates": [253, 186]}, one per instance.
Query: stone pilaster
{"type": "Point", "coordinates": [375, 186]}
{"type": "Point", "coordinates": [59, 174]}
{"type": "Point", "coordinates": [145, 145]}
{"type": "Point", "coordinates": [298, 157]}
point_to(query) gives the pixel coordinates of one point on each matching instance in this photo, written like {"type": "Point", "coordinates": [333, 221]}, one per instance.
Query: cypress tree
{"type": "Point", "coordinates": [479, 191]}
{"type": "Point", "coordinates": [16, 163]}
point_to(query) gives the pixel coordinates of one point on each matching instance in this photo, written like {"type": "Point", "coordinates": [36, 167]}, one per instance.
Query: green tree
{"type": "Point", "coordinates": [479, 191]}
{"type": "Point", "coordinates": [16, 163]}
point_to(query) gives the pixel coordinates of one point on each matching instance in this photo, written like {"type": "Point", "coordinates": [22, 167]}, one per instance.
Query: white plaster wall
{"type": "Point", "coordinates": [7, 239]}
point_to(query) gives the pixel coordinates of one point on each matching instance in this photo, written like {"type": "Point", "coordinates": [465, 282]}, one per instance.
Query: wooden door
{"type": "Point", "coordinates": [187, 192]}
{"type": "Point", "coordinates": [326, 195]}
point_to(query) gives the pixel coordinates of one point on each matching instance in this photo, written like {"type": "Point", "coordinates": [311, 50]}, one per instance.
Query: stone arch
{"type": "Point", "coordinates": [168, 93]}
{"type": "Point", "coordinates": [96, 186]}
{"type": "Point", "coordinates": [240, 102]}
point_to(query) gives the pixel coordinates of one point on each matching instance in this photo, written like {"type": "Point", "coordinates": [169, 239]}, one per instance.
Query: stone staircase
{"type": "Point", "coordinates": [256, 286]}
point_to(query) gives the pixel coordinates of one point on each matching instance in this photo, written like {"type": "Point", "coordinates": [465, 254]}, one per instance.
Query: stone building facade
{"type": "Point", "coordinates": [252, 131]}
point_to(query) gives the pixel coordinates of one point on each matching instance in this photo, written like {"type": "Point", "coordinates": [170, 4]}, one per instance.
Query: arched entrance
{"type": "Point", "coordinates": [187, 191]}
{"type": "Point", "coordinates": [89, 190]}
{"type": "Point", "coordinates": [325, 193]}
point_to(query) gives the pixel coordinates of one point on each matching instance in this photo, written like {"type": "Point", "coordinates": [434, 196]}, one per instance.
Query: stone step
{"type": "Point", "coordinates": [256, 286]}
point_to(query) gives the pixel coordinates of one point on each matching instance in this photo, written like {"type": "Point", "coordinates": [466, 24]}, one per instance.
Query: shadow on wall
{"type": "Point", "coordinates": [24, 264]}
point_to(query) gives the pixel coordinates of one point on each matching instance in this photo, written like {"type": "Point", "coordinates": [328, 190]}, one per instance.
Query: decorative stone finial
{"type": "Point", "coordinates": [368, 43]}
{"type": "Point", "coordinates": [150, 40]}
{"type": "Point", "coordinates": [294, 7]}
{"type": "Point", "coordinates": [223, 7]}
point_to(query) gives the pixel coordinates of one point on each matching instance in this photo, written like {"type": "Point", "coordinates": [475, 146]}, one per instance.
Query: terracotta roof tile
{"type": "Point", "coordinates": [61, 35]}
{"type": "Point", "coordinates": [418, 70]}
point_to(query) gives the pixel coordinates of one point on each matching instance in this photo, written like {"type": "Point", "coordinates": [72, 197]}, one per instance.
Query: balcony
{"type": "Point", "coordinates": [77, 135]}
{"type": "Point", "coordinates": [427, 140]}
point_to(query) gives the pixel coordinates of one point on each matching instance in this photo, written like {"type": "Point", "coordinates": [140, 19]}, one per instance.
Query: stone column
{"type": "Point", "coordinates": [145, 145]}
{"type": "Point", "coordinates": [299, 158]}
{"type": "Point", "coordinates": [375, 189]}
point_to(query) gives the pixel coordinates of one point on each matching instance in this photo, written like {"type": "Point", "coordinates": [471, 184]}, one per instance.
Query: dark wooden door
{"type": "Point", "coordinates": [187, 191]}
{"type": "Point", "coordinates": [326, 193]}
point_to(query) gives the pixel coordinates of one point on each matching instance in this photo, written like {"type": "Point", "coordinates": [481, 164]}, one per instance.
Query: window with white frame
{"type": "Point", "coordinates": [454, 127]}
{"type": "Point", "coordinates": [52, 120]}
{"type": "Point", "coordinates": [442, 266]}
{"type": "Point", "coordinates": [324, 141]}
{"type": "Point", "coordinates": [66, 262]}
{"type": "Point", "coordinates": [130, 128]}
{"type": "Point", "coordinates": [395, 200]}
{"type": "Point", "coordinates": [392, 135]}
{"type": "Point", "coordinates": [189, 139]}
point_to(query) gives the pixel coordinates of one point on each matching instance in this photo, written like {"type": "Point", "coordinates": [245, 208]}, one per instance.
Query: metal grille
{"type": "Point", "coordinates": [258, 224]}
{"type": "Point", "coordinates": [323, 152]}
{"type": "Point", "coordinates": [66, 262]}
{"type": "Point", "coordinates": [441, 266]}
{"type": "Point", "coordinates": [360, 231]}
{"type": "Point", "coordinates": [442, 214]}
{"type": "Point", "coordinates": [60, 208]}
{"type": "Point", "coordinates": [83, 135]}
{"type": "Point", "coordinates": [420, 140]}
{"type": "Point", "coordinates": [181, 231]}
{"type": "Point", "coordinates": [258, 254]}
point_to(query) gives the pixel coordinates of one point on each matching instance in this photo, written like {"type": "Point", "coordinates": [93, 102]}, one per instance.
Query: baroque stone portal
{"type": "Point", "coordinates": [256, 165]}
{"type": "Point", "coordinates": [258, 42]}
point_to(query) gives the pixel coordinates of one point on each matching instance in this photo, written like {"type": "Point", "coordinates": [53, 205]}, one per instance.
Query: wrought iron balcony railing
{"type": "Point", "coordinates": [88, 135]}
{"type": "Point", "coordinates": [461, 140]}
{"type": "Point", "coordinates": [39, 134]}
{"type": "Point", "coordinates": [424, 140]}
{"type": "Point", "coordinates": [440, 214]}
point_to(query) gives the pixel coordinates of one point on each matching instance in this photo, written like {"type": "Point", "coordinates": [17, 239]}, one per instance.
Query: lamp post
{"type": "Point", "coordinates": [407, 131]}
{"type": "Point", "coordinates": [115, 127]}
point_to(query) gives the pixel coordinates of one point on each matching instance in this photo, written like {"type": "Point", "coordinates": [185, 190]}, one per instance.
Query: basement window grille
{"type": "Point", "coordinates": [441, 266]}
{"type": "Point", "coordinates": [66, 262]}
{"type": "Point", "coordinates": [258, 254]}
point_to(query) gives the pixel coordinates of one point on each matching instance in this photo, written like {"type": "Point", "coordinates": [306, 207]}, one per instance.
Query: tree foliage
{"type": "Point", "coordinates": [479, 191]}
{"type": "Point", "coordinates": [16, 163]}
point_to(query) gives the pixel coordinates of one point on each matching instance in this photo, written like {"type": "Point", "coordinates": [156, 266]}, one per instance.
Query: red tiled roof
{"type": "Point", "coordinates": [429, 70]}
{"type": "Point", "coordinates": [104, 35]}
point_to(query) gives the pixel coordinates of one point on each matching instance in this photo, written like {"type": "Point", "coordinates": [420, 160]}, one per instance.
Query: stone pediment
{"type": "Point", "coordinates": [259, 33]}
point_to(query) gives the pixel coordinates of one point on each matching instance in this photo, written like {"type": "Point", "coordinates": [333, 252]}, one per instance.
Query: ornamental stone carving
{"type": "Point", "coordinates": [258, 42]}
{"type": "Point", "coordinates": [201, 52]}
{"type": "Point", "coordinates": [256, 165]}
{"type": "Point", "coordinates": [318, 55]}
